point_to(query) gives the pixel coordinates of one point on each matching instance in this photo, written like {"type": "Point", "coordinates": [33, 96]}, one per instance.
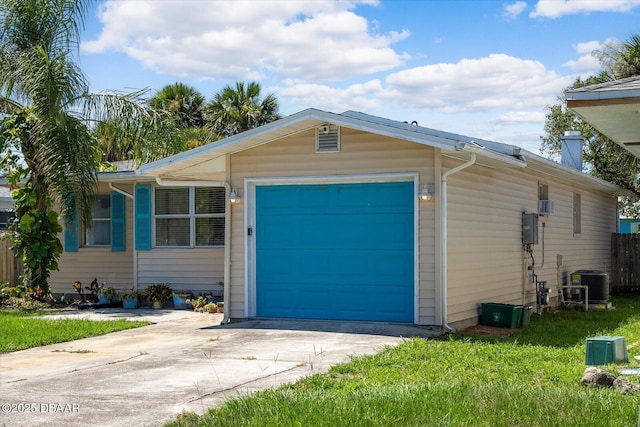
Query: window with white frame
{"type": "Point", "coordinates": [189, 216]}
{"type": "Point", "coordinates": [577, 213]}
{"type": "Point", "coordinates": [99, 234]}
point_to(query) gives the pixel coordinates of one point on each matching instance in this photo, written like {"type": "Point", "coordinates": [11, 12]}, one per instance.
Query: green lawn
{"type": "Point", "coordinates": [530, 379]}
{"type": "Point", "coordinates": [20, 329]}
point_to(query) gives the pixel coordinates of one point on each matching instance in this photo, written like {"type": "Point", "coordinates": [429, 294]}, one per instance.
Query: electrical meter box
{"type": "Point", "coordinates": [529, 229]}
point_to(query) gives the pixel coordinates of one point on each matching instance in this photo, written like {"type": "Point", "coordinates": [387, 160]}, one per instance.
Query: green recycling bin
{"type": "Point", "coordinates": [501, 315]}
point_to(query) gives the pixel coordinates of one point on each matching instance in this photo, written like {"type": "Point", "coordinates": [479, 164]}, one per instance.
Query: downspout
{"type": "Point", "coordinates": [226, 292]}
{"type": "Point", "coordinates": [226, 286]}
{"type": "Point", "coordinates": [135, 252]}
{"type": "Point", "coordinates": [443, 242]}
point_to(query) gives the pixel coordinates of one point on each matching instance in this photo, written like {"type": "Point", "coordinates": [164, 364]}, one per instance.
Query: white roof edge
{"type": "Point", "coordinates": [602, 94]}
{"type": "Point", "coordinates": [542, 165]}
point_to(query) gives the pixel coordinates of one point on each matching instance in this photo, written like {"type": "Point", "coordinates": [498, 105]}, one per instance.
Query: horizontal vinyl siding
{"type": "Point", "coordinates": [115, 269]}
{"type": "Point", "coordinates": [486, 257]}
{"type": "Point", "coordinates": [190, 269]}
{"type": "Point", "coordinates": [360, 153]}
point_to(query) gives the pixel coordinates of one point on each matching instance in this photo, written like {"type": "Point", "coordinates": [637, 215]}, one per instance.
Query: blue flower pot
{"type": "Point", "coordinates": [130, 303]}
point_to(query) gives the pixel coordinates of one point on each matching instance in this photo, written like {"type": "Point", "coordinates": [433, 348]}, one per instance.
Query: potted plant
{"type": "Point", "coordinates": [212, 307]}
{"type": "Point", "coordinates": [198, 303]}
{"type": "Point", "coordinates": [181, 298]}
{"type": "Point", "coordinates": [158, 294]}
{"type": "Point", "coordinates": [107, 295]}
{"type": "Point", "coordinates": [129, 298]}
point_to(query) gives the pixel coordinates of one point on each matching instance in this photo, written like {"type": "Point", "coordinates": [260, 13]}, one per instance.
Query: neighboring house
{"type": "Point", "coordinates": [612, 108]}
{"type": "Point", "coordinates": [330, 219]}
{"type": "Point", "coordinates": [628, 225]}
{"type": "Point", "coordinates": [6, 207]}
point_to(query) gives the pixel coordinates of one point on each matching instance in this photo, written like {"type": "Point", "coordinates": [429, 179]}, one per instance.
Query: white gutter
{"type": "Point", "coordinates": [117, 190]}
{"type": "Point", "coordinates": [443, 241]}
{"type": "Point", "coordinates": [227, 232]}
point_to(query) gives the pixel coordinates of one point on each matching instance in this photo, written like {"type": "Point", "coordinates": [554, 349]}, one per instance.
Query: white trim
{"type": "Point", "coordinates": [250, 185]}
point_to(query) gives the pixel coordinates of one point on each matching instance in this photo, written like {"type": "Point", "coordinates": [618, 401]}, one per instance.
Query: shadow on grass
{"type": "Point", "coordinates": [567, 328]}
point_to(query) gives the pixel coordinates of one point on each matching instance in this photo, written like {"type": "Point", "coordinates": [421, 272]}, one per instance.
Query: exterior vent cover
{"type": "Point", "coordinates": [546, 207]}
{"type": "Point", "coordinates": [327, 139]}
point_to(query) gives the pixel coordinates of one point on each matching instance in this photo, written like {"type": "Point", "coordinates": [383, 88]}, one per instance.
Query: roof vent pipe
{"type": "Point", "coordinates": [572, 149]}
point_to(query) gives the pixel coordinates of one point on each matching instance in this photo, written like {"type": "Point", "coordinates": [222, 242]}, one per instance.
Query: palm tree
{"type": "Point", "coordinates": [185, 102]}
{"type": "Point", "coordinates": [621, 60]}
{"type": "Point", "coordinates": [235, 110]}
{"type": "Point", "coordinates": [186, 106]}
{"type": "Point", "coordinates": [48, 113]}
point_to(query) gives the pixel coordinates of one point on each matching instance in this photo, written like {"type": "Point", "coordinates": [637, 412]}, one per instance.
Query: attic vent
{"type": "Point", "coordinates": [546, 207]}
{"type": "Point", "coordinates": [327, 139]}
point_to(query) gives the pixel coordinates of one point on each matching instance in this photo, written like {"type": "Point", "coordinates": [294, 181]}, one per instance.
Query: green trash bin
{"type": "Point", "coordinates": [501, 315]}
{"type": "Point", "coordinates": [526, 315]}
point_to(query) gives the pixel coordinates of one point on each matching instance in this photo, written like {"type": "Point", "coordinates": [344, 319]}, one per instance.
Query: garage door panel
{"type": "Point", "coordinates": [342, 251]}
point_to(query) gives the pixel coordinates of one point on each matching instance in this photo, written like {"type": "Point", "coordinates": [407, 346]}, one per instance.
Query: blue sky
{"type": "Point", "coordinates": [481, 68]}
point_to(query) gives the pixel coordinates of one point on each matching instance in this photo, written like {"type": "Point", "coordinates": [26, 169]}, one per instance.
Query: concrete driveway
{"type": "Point", "coordinates": [184, 361]}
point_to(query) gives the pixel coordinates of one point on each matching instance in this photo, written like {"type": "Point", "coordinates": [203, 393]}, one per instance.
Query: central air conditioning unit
{"type": "Point", "coordinates": [546, 207]}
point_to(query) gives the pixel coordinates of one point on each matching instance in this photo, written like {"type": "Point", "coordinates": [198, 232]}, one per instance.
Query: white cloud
{"type": "Point", "coordinates": [308, 41]}
{"type": "Point", "coordinates": [513, 10]}
{"type": "Point", "coordinates": [359, 97]}
{"type": "Point", "coordinates": [498, 81]}
{"type": "Point", "coordinates": [587, 63]}
{"type": "Point", "coordinates": [519, 117]}
{"type": "Point", "coordinates": [556, 8]}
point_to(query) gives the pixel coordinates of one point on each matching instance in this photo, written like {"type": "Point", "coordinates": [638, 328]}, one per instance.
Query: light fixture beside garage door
{"type": "Point", "coordinates": [424, 193]}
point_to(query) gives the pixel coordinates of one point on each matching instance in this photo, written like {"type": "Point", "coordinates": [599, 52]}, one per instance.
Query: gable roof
{"type": "Point", "coordinates": [613, 108]}
{"type": "Point", "coordinates": [488, 152]}
{"type": "Point", "coordinates": [208, 159]}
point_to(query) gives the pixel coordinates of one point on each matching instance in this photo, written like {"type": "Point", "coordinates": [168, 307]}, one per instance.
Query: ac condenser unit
{"type": "Point", "coordinates": [546, 207]}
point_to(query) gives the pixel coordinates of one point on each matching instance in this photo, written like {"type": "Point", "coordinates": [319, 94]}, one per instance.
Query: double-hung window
{"type": "Point", "coordinates": [189, 216]}
{"type": "Point", "coordinates": [99, 234]}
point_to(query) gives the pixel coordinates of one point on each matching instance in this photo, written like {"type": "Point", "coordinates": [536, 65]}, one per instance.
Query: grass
{"type": "Point", "coordinates": [529, 379]}
{"type": "Point", "coordinates": [20, 330]}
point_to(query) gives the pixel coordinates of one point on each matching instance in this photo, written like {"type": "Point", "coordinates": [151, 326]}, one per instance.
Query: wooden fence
{"type": "Point", "coordinates": [625, 263]}
{"type": "Point", "coordinates": [10, 266]}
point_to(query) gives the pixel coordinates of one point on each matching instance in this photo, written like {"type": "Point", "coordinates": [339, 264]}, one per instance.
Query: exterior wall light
{"type": "Point", "coordinates": [424, 193]}
{"type": "Point", "coordinates": [233, 196]}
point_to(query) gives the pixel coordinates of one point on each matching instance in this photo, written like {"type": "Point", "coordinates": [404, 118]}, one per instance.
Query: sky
{"type": "Point", "coordinates": [481, 68]}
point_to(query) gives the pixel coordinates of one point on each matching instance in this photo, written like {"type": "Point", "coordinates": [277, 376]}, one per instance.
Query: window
{"type": "Point", "coordinates": [189, 216]}
{"type": "Point", "coordinates": [577, 208]}
{"type": "Point", "coordinates": [100, 232]}
{"type": "Point", "coordinates": [5, 218]}
{"type": "Point", "coordinates": [543, 192]}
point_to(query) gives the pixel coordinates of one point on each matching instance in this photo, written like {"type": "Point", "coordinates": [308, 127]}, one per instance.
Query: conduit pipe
{"type": "Point", "coordinates": [444, 327]}
{"type": "Point", "coordinates": [226, 292]}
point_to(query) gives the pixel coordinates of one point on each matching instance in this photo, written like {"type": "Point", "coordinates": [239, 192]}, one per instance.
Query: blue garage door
{"type": "Point", "coordinates": [339, 251]}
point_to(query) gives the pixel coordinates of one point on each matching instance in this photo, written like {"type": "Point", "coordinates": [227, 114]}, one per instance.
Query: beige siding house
{"type": "Point", "coordinates": [348, 216]}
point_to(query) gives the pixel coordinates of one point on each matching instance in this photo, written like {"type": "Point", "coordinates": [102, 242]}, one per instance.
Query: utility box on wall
{"type": "Point", "coordinates": [529, 229]}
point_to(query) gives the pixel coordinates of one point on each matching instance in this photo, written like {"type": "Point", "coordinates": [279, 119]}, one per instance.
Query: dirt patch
{"type": "Point", "coordinates": [489, 330]}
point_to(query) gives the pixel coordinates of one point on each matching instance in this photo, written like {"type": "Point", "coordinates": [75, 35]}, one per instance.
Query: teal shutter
{"type": "Point", "coordinates": [71, 235]}
{"type": "Point", "coordinates": [71, 228]}
{"type": "Point", "coordinates": [143, 217]}
{"type": "Point", "coordinates": [118, 226]}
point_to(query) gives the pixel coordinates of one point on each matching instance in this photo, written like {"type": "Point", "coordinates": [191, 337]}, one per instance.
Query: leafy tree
{"type": "Point", "coordinates": [235, 110]}
{"type": "Point", "coordinates": [48, 149]}
{"type": "Point", "coordinates": [605, 159]}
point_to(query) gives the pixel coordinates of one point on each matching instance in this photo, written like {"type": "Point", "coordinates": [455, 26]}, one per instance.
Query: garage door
{"type": "Point", "coordinates": [336, 251]}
